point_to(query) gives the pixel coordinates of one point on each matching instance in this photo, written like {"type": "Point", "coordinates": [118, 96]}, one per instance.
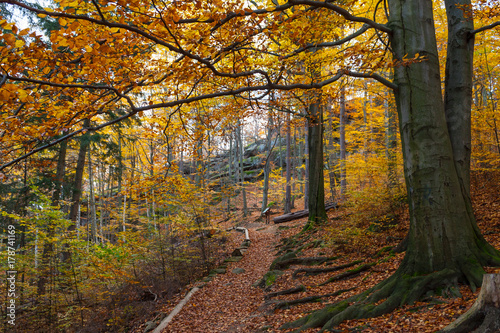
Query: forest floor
{"type": "Point", "coordinates": [231, 302]}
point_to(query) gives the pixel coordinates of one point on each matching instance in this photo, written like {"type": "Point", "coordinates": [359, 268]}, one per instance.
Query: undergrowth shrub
{"type": "Point", "coordinates": [372, 203]}
{"type": "Point", "coordinates": [66, 283]}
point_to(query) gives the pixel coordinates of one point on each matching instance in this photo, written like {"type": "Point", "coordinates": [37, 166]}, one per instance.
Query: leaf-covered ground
{"type": "Point", "coordinates": [231, 302]}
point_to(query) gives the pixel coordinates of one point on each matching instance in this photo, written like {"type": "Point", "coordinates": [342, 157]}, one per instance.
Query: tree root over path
{"type": "Point", "coordinates": [396, 291]}
{"type": "Point", "coordinates": [315, 271]}
{"type": "Point", "coordinates": [286, 292]}
{"type": "Point", "coordinates": [314, 298]}
{"type": "Point", "coordinates": [349, 273]}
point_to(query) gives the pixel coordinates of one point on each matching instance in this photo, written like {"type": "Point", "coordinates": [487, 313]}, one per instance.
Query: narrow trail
{"type": "Point", "coordinates": [229, 303]}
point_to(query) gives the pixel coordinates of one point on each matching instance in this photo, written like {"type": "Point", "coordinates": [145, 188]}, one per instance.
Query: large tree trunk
{"type": "Point", "coordinates": [316, 189]}
{"type": "Point", "coordinates": [458, 87]}
{"type": "Point", "coordinates": [443, 232]}
{"type": "Point", "coordinates": [390, 144]}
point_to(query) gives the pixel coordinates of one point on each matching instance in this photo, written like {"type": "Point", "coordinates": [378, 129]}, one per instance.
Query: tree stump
{"type": "Point", "coordinates": [267, 214]}
{"type": "Point", "coordinates": [484, 315]}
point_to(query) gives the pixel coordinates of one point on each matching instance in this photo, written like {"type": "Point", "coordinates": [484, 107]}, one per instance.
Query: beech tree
{"type": "Point", "coordinates": [215, 49]}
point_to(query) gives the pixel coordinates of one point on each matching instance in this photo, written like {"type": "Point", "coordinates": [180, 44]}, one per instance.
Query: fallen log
{"type": "Point", "coordinates": [298, 214]}
{"type": "Point", "coordinates": [175, 311]}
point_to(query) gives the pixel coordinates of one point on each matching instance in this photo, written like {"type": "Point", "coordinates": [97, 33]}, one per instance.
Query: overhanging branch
{"type": "Point", "coordinates": [486, 27]}
{"type": "Point", "coordinates": [343, 12]}
{"type": "Point", "coordinates": [330, 44]}
{"type": "Point", "coordinates": [376, 77]}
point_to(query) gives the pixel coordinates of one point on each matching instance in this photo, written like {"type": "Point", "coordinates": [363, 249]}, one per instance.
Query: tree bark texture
{"type": "Point", "coordinates": [267, 167]}
{"type": "Point", "coordinates": [458, 87]}
{"type": "Point", "coordinates": [316, 201]}
{"type": "Point", "coordinates": [443, 234]}
{"type": "Point", "coordinates": [77, 184]}
{"type": "Point", "coordinates": [343, 171]}
{"type": "Point", "coordinates": [288, 189]}
{"type": "Point", "coordinates": [484, 315]}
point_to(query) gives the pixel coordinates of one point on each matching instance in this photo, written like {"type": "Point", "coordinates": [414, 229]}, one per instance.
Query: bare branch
{"type": "Point", "coordinates": [144, 34]}
{"type": "Point", "coordinates": [62, 85]}
{"type": "Point", "coordinates": [3, 80]}
{"type": "Point", "coordinates": [486, 27]}
{"type": "Point", "coordinates": [330, 44]}
{"type": "Point", "coordinates": [98, 9]}
{"type": "Point", "coordinates": [341, 11]}
{"type": "Point", "coordinates": [135, 110]}
{"type": "Point", "coordinates": [376, 77]}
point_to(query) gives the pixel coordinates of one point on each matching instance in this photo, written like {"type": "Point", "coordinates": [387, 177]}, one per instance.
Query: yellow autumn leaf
{"type": "Point", "coordinates": [63, 42]}
{"type": "Point", "coordinates": [23, 95]}
{"type": "Point", "coordinates": [19, 43]}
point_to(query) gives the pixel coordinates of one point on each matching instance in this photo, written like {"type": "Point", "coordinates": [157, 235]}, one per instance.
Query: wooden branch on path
{"type": "Point", "coordinates": [175, 311]}
{"type": "Point", "coordinates": [299, 214]}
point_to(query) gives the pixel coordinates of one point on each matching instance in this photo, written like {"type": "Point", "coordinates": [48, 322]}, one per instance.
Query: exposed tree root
{"type": "Point", "coordinates": [286, 292]}
{"type": "Point", "coordinates": [396, 291]}
{"type": "Point", "coordinates": [315, 271]}
{"type": "Point", "coordinates": [484, 315]}
{"type": "Point", "coordinates": [302, 261]}
{"type": "Point", "coordinates": [349, 273]}
{"type": "Point", "coordinates": [315, 298]}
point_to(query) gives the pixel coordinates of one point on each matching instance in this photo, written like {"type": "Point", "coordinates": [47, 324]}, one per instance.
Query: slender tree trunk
{"type": "Point", "coordinates": [267, 166]}
{"type": "Point", "coordinates": [61, 168]}
{"type": "Point", "coordinates": [92, 212]}
{"type": "Point", "coordinates": [124, 212]}
{"type": "Point", "coordinates": [300, 157]}
{"type": "Point", "coordinates": [306, 173]}
{"type": "Point", "coordinates": [74, 214]}
{"type": "Point", "coordinates": [100, 179]}
{"type": "Point", "coordinates": [365, 121]}
{"type": "Point", "coordinates": [343, 171]}
{"type": "Point", "coordinates": [229, 173]}
{"type": "Point", "coordinates": [288, 190]}
{"type": "Point", "coordinates": [294, 166]}
{"type": "Point", "coordinates": [332, 154]}
{"type": "Point", "coordinates": [77, 184]}
{"type": "Point", "coordinates": [242, 174]}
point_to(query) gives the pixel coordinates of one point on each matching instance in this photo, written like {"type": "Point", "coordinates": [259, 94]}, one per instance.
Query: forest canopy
{"type": "Point", "coordinates": [137, 118]}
